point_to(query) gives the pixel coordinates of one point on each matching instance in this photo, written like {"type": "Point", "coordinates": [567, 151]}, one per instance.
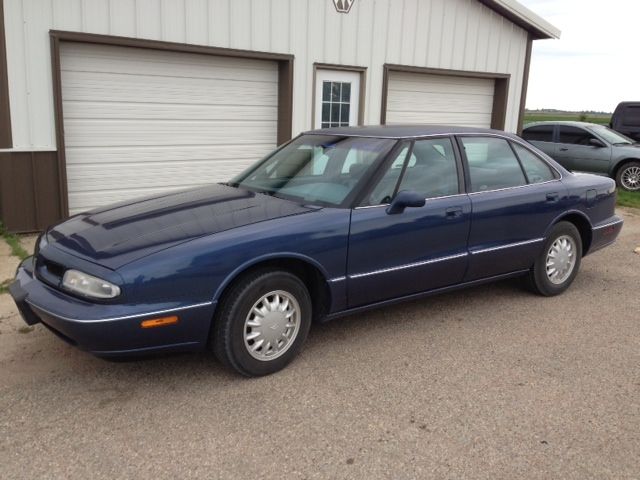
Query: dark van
{"type": "Point", "coordinates": [626, 119]}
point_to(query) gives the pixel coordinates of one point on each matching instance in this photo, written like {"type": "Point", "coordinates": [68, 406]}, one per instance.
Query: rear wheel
{"type": "Point", "coordinates": [262, 323]}
{"type": "Point", "coordinates": [628, 176]}
{"type": "Point", "coordinates": [557, 265]}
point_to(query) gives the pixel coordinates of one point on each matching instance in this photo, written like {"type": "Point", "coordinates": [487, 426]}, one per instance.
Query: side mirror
{"type": "Point", "coordinates": [404, 199]}
{"type": "Point", "coordinates": [594, 142]}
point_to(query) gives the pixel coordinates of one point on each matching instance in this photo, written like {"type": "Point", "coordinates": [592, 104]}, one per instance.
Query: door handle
{"type": "Point", "coordinates": [553, 197]}
{"type": "Point", "coordinates": [564, 149]}
{"type": "Point", "coordinates": [453, 212]}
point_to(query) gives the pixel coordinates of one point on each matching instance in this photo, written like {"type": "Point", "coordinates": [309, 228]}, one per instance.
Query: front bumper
{"type": "Point", "coordinates": [109, 330]}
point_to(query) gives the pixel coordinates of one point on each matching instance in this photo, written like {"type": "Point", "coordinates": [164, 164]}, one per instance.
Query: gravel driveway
{"type": "Point", "coordinates": [491, 382]}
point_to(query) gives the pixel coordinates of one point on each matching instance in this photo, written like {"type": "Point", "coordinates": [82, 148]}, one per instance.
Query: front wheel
{"type": "Point", "coordinates": [557, 265]}
{"type": "Point", "coordinates": [628, 177]}
{"type": "Point", "coordinates": [262, 323]}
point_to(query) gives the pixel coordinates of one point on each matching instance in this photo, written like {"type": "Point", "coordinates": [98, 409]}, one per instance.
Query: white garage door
{"type": "Point", "coordinates": [141, 121]}
{"type": "Point", "coordinates": [439, 99]}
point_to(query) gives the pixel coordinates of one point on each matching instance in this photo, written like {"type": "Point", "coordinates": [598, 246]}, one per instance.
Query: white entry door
{"type": "Point", "coordinates": [337, 98]}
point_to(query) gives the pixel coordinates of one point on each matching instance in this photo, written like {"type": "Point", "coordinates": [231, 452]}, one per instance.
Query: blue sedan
{"type": "Point", "coordinates": [334, 222]}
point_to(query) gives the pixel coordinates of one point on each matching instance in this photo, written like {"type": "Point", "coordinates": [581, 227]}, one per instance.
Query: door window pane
{"type": "Point", "coordinates": [540, 133]}
{"type": "Point", "coordinates": [383, 192]}
{"type": "Point", "coordinates": [336, 104]}
{"type": "Point", "coordinates": [432, 171]}
{"type": "Point", "coordinates": [537, 171]}
{"type": "Point", "coordinates": [574, 135]}
{"type": "Point", "coordinates": [492, 164]}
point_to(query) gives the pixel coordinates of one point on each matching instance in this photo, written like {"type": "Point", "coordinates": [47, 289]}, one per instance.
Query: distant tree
{"type": "Point", "coordinates": [583, 117]}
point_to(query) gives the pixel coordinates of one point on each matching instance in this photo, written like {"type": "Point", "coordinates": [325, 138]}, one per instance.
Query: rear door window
{"type": "Point", "coordinates": [492, 164]}
{"type": "Point", "coordinates": [537, 170]}
{"type": "Point", "coordinates": [539, 133]}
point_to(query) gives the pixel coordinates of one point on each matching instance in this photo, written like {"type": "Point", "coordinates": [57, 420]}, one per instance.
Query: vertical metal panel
{"type": "Point", "coordinates": [240, 24]}
{"type": "Point", "coordinates": [123, 15]}
{"type": "Point", "coordinates": [219, 24]}
{"type": "Point", "coordinates": [149, 18]}
{"type": "Point", "coordinates": [95, 16]}
{"type": "Point", "coordinates": [280, 16]}
{"type": "Point", "coordinates": [173, 21]}
{"type": "Point", "coordinates": [261, 25]}
{"type": "Point", "coordinates": [197, 21]}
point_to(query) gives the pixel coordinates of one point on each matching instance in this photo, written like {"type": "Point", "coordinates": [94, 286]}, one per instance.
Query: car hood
{"type": "Point", "coordinates": [118, 234]}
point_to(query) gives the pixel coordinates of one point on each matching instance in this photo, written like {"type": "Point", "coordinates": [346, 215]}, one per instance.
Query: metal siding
{"type": "Point", "coordinates": [140, 122]}
{"type": "Point", "coordinates": [461, 34]}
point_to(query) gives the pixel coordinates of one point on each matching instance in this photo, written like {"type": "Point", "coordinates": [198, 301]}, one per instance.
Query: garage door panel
{"type": "Point", "coordinates": [106, 59]}
{"type": "Point", "coordinates": [150, 155]}
{"type": "Point", "coordinates": [140, 121]}
{"type": "Point", "coordinates": [438, 103]}
{"type": "Point", "coordinates": [105, 133]}
{"type": "Point", "coordinates": [124, 110]}
{"type": "Point", "coordinates": [122, 88]}
{"type": "Point", "coordinates": [462, 119]}
{"type": "Point", "coordinates": [439, 99]}
{"type": "Point", "coordinates": [178, 173]}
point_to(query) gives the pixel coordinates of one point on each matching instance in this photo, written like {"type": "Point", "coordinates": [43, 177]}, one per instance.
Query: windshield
{"type": "Point", "coordinates": [321, 169]}
{"type": "Point", "coordinates": [612, 136]}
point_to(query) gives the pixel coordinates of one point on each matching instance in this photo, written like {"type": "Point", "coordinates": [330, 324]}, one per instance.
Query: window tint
{"type": "Point", "coordinates": [574, 135]}
{"type": "Point", "coordinates": [631, 116]}
{"type": "Point", "coordinates": [537, 171]}
{"type": "Point", "coordinates": [492, 164]}
{"type": "Point", "coordinates": [540, 133]}
{"type": "Point", "coordinates": [432, 171]}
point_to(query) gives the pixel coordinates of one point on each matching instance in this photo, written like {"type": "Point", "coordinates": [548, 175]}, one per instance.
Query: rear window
{"type": "Point", "coordinates": [541, 133]}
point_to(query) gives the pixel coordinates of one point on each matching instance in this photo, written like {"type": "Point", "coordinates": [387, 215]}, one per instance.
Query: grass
{"type": "Point", "coordinates": [16, 250]}
{"type": "Point", "coordinates": [577, 117]}
{"type": "Point", "coordinates": [14, 243]}
{"type": "Point", "coordinates": [628, 199]}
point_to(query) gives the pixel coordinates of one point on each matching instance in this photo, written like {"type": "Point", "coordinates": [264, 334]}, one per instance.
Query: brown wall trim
{"type": "Point", "coordinates": [29, 190]}
{"type": "Point", "coordinates": [345, 68]}
{"type": "Point", "coordinates": [525, 84]}
{"type": "Point", "coordinates": [500, 96]}
{"type": "Point", "coordinates": [285, 83]}
{"type": "Point", "coordinates": [6, 140]}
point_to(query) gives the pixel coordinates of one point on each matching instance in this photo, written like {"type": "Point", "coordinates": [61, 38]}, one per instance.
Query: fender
{"type": "Point", "coordinates": [565, 214]}
{"type": "Point", "coordinates": [263, 258]}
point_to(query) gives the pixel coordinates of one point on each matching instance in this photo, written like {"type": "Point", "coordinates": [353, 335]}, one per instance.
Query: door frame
{"type": "Point", "coordinates": [500, 93]}
{"type": "Point", "coordinates": [285, 84]}
{"type": "Point", "coordinates": [344, 68]}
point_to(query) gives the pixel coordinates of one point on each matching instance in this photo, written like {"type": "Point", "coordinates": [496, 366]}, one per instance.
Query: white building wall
{"type": "Point", "coordinates": [450, 34]}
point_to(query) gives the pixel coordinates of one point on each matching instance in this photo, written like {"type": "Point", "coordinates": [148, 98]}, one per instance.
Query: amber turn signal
{"type": "Point", "coordinates": [159, 322]}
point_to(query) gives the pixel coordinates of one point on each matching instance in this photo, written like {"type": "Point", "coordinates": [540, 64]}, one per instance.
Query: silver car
{"type": "Point", "coordinates": [588, 147]}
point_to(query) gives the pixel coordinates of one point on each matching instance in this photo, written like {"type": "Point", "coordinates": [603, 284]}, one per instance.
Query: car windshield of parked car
{"type": "Point", "coordinates": [611, 136]}
{"type": "Point", "coordinates": [315, 169]}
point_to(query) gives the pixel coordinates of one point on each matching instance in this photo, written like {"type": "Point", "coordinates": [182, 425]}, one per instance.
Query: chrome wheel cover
{"type": "Point", "coordinates": [630, 178]}
{"type": "Point", "coordinates": [272, 325]}
{"type": "Point", "coordinates": [561, 259]}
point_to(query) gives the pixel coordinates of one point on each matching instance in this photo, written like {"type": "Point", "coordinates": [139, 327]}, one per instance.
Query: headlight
{"type": "Point", "coordinates": [88, 285]}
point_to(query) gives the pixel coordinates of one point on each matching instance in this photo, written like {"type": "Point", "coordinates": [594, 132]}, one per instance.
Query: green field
{"type": "Point", "coordinates": [545, 117]}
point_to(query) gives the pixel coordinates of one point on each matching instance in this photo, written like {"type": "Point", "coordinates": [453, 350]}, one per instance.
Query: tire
{"type": "Point", "coordinates": [261, 341]}
{"type": "Point", "coordinates": [553, 280]}
{"type": "Point", "coordinates": [628, 177]}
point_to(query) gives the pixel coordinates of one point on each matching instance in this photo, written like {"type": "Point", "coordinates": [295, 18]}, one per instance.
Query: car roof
{"type": "Point", "coordinates": [569, 123]}
{"type": "Point", "coordinates": [403, 131]}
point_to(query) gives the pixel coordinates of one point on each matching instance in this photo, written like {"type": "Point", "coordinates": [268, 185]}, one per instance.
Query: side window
{"type": "Point", "coordinates": [432, 171]}
{"type": "Point", "coordinates": [631, 116]}
{"type": "Point", "coordinates": [492, 164]}
{"type": "Point", "coordinates": [537, 171]}
{"type": "Point", "coordinates": [383, 191]}
{"type": "Point", "coordinates": [574, 135]}
{"type": "Point", "coordinates": [540, 133]}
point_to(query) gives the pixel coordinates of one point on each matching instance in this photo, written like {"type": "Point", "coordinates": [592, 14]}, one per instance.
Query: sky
{"type": "Point", "coordinates": [595, 64]}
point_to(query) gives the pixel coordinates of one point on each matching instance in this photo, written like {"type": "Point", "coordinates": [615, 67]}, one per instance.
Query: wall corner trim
{"type": "Point", "coordinates": [6, 140]}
